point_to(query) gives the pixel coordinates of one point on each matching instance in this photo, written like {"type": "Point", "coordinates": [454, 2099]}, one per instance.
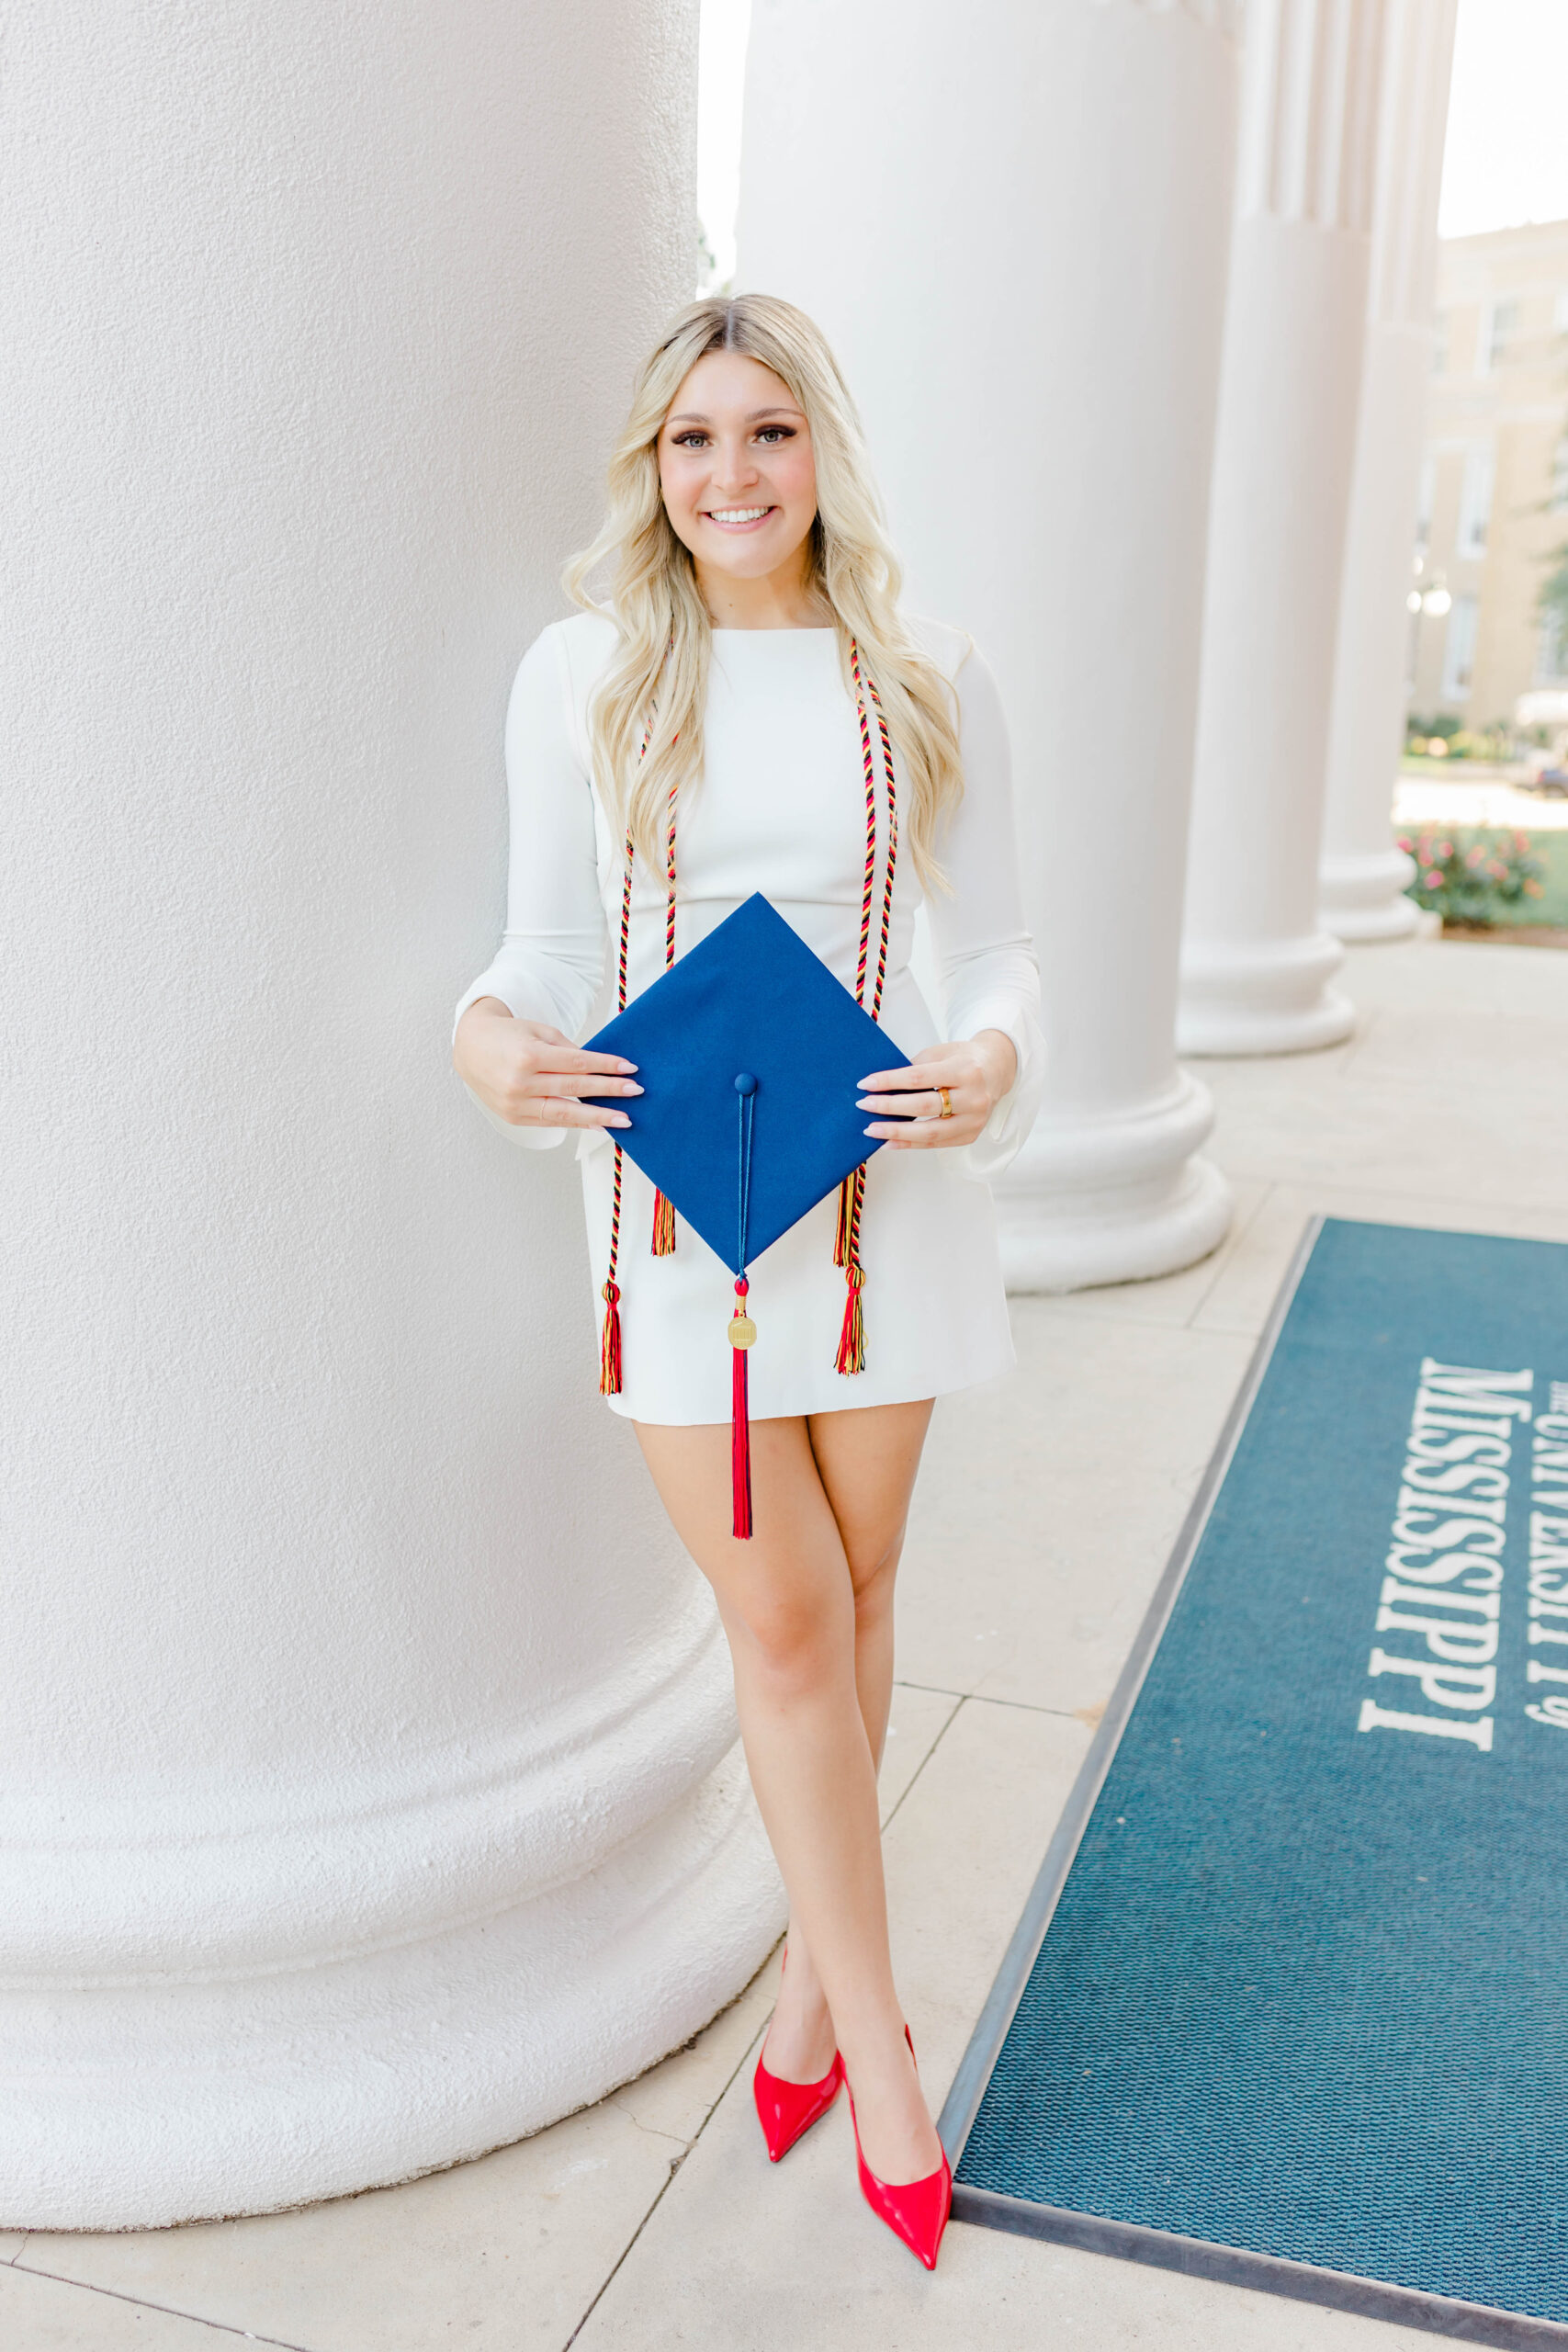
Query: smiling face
{"type": "Point", "coordinates": [738, 479]}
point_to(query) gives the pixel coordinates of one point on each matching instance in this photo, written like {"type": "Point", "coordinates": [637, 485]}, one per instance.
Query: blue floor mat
{"type": "Point", "coordinates": [1303, 1991]}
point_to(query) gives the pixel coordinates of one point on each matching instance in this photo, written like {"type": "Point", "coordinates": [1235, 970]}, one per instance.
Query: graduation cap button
{"type": "Point", "coordinates": [745, 1083]}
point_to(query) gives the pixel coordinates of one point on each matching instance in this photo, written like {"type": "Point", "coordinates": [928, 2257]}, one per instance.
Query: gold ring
{"type": "Point", "coordinates": [946, 1109]}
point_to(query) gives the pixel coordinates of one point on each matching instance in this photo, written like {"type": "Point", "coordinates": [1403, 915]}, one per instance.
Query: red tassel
{"type": "Point", "coordinates": [742, 1331]}
{"type": "Point", "coordinates": [851, 1357]}
{"type": "Point", "coordinates": [610, 1342]}
{"type": "Point", "coordinates": [663, 1226]}
{"type": "Point", "coordinates": [740, 1447]}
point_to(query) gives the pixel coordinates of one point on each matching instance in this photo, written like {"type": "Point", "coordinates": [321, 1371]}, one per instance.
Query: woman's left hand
{"type": "Point", "coordinates": [969, 1078]}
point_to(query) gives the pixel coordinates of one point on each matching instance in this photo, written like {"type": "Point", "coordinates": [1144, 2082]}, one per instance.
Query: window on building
{"type": "Point", "coordinates": [1560, 473]}
{"type": "Point", "coordinates": [1475, 500]}
{"type": "Point", "coordinates": [1499, 325]}
{"type": "Point", "coordinates": [1459, 648]}
{"type": "Point", "coordinates": [1440, 342]}
{"type": "Point", "coordinates": [1552, 652]}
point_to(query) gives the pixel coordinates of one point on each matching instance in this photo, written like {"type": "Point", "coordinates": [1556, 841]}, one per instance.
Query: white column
{"type": "Point", "coordinates": [1363, 876]}
{"type": "Point", "coordinates": [1256, 969]}
{"type": "Point", "coordinates": [371, 1793]}
{"type": "Point", "coordinates": [1013, 223]}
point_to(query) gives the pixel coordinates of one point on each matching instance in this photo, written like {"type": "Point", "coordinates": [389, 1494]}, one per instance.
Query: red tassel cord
{"type": "Point", "coordinates": [851, 1357]}
{"type": "Point", "coordinates": [663, 1240]}
{"type": "Point", "coordinates": [664, 1210]}
{"type": "Point", "coordinates": [610, 1342]}
{"type": "Point", "coordinates": [851, 1337]}
{"type": "Point", "coordinates": [742, 1332]}
{"type": "Point", "coordinates": [609, 1337]}
{"type": "Point", "coordinates": [663, 1226]}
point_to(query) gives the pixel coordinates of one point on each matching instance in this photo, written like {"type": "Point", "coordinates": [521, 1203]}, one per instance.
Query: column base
{"type": "Point", "coordinates": [232, 1997]}
{"type": "Point", "coordinates": [1115, 1199]}
{"type": "Point", "coordinates": [1362, 899]}
{"type": "Point", "coordinates": [132, 2105]}
{"type": "Point", "coordinates": [1268, 997]}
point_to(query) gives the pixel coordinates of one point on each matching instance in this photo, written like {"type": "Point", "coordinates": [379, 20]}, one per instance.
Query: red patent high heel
{"type": "Point", "coordinates": [787, 2111]}
{"type": "Point", "coordinates": [915, 2210]}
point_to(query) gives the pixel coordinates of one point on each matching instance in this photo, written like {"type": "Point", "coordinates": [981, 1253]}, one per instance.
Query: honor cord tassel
{"type": "Point", "coordinates": [663, 1213]}
{"type": "Point", "coordinates": [609, 1337]}
{"type": "Point", "coordinates": [664, 1242]}
{"type": "Point", "coordinates": [851, 1357]}
{"type": "Point", "coordinates": [610, 1342]}
{"type": "Point", "coordinates": [664, 1208]}
{"type": "Point", "coordinates": [663, 1225]}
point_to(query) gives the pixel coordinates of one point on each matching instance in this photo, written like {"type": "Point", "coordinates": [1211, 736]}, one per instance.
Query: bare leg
{"type": "Point", "coordinates": [866, 1460]}
{"type": "Point", "coordinates": [787, 1600]}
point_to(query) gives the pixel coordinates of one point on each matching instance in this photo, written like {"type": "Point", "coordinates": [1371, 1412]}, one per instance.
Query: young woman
{"type": "Point", "coordinates": [751, 711]}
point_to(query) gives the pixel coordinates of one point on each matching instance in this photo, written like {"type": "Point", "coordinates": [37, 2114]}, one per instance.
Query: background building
{"type": "Point", "coordinates": [1494, 483]}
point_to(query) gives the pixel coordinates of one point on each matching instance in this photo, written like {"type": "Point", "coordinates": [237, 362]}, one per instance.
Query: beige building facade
{"type": "Point", "coordinates": [1494, 481]}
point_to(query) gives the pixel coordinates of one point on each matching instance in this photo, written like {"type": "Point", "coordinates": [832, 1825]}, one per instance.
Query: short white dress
{"type": "Point", "coordinates": [780, 809]}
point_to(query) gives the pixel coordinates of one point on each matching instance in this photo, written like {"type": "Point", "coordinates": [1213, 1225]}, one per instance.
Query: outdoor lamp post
{"type": "Point", "coordinates": [1435, 599]}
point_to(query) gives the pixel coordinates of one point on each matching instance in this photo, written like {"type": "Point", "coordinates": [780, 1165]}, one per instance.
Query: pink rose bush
{"type": "Point", "coordinates": [1468, 879]}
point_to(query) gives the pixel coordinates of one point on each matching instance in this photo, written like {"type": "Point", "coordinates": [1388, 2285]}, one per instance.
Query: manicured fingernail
{"type": "Point", "coordinates": [619, 1119]}
{"type": "Point", "coordinates": [634, 1090]}
{"type": "Point", "coordinates": [626, 1069]}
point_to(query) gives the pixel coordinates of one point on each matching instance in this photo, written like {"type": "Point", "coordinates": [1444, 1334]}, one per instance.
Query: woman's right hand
{"type": "Point", "coordinates": [531, 1075]}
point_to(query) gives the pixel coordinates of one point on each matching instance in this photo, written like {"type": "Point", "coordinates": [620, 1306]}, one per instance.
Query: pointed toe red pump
{"type": "Point", "coordinates": [787, 2111]}
{"type": "Point", "coordinates": [915, 2210]}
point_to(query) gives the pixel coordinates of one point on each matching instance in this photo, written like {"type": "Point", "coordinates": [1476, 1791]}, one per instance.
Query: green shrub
{"type": "Point", "coordinates": [1445, 724]}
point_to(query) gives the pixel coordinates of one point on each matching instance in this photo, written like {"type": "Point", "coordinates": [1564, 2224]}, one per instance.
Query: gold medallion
{"type": "Point", "coordinates": [742, 1331]}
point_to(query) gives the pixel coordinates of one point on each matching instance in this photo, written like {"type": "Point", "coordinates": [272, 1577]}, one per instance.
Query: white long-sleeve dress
{"type": "Point", "coordinates": [780, 809]}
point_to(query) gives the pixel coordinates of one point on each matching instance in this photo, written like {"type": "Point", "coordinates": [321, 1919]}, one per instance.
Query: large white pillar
{"type": "Point", "coordinates": [1013, 222]}
{"type": "Point", "coordinates": [1363, 876]}
{"type": "Point", "coordinates": [370, 1786]}
{"type": "Point", "coordinates": [1256, 969]}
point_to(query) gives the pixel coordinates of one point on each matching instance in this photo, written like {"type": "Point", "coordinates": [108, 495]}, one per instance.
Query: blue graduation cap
{"type": "Point", "coordinates": [749, 1052]}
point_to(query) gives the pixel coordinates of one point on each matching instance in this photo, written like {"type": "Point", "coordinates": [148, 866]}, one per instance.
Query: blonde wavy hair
{"type": "Point", "coordinates": [658, 677]}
